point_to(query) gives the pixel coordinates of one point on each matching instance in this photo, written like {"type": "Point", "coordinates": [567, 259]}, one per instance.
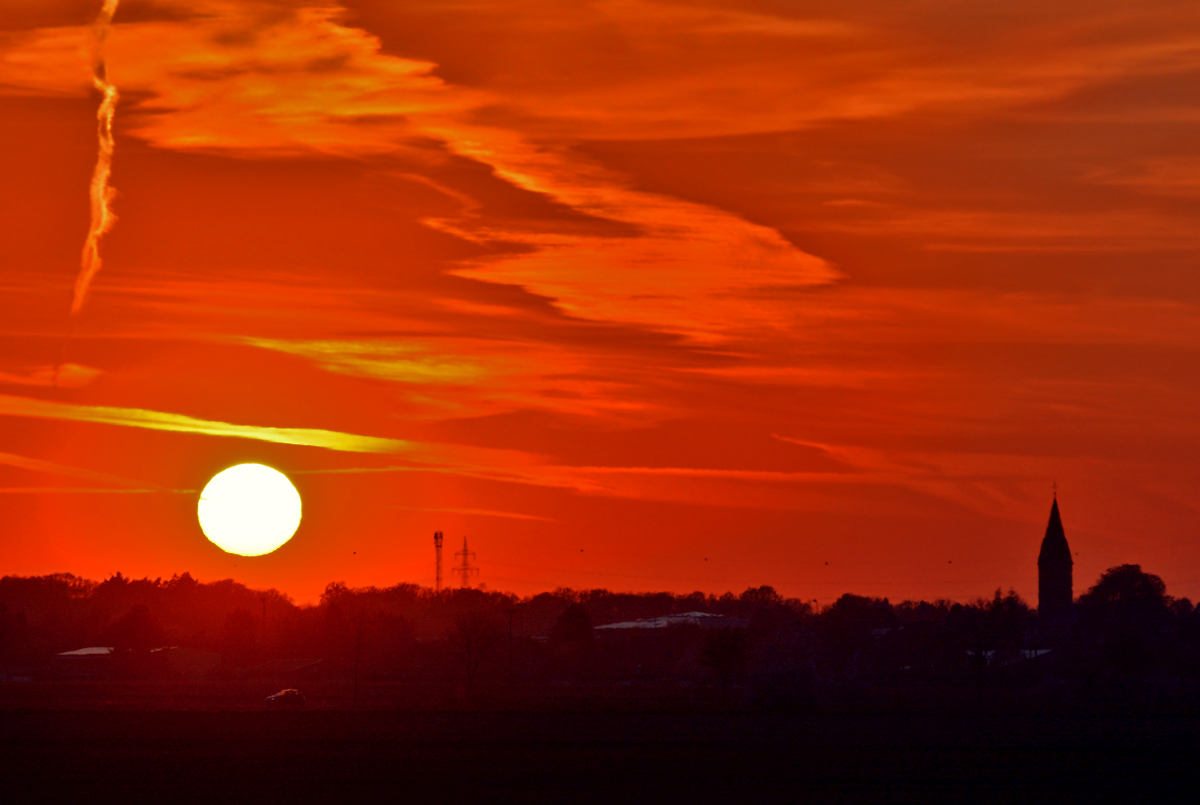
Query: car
{"type": "Point", "coordinates": [289, 697]}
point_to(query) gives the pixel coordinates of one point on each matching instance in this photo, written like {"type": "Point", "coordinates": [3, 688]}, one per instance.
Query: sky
{"type": "Point", "coordinates": [636, 294]}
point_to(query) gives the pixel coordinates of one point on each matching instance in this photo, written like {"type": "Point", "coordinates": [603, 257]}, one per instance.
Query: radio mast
{"type": "Point", "coordinates": [437, 548]}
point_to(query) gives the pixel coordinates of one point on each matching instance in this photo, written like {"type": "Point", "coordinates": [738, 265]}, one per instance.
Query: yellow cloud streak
{"type": "Point", "coordinates": [60, 490]}
{"type": "Point", "coordinates": [377, 358]}
{"type": "Point", "coordinates": [38, 465]}
{"type": "Point", "coordinates": [179, 423]}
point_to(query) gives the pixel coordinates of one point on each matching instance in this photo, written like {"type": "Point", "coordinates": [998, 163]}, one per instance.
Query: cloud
{"type": "Point", "coordinates": [704, 486]}
{"type": "Point", "coordinates": [67, 376]}
{"type": "Point", "coordinates": [643, 69]}
{"type": "Point", "coordinates": [235, 79]}
{"type": "Point", "coordinates": [690, 268]}
{"type": "Point", "coordinates": [249, 75]}
{"type": "Point", "coordinates": [1177, 177]}
{"type": "Point", "coordinates": [488, 375]}
{"type": "Point", "coordinates": [394, 360]}
{"type": "Point", "coordinates": [179, 423]}
{"type": "Point", "coordinates": [994, 484]}
{"type": "Point", "coordinates": [968, 230]}
{"type": "Point", "coordinates": [62, 490]}
{"type": "Point", "coordinates": [38, 465]}
{"type": "Point", "coordinates": [478, 513]}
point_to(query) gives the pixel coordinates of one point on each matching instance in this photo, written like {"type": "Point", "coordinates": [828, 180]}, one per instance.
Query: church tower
{"type": "Point", "coordinates": [1054, 568]}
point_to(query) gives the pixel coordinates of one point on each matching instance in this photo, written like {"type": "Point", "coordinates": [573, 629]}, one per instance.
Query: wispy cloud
{"type": "Point", "coordinates": [389, 359]}
{"type": "Point", "coordinates": [68, 376]}
{"type": "Point", "coordinates": [688, 268]}
{"type": "Point", "coordinates": [63, 490]}
{"type": "Point", "coordinates": [49, 467]}
{"type": "Point", "coordinates": [486, 375]}
{"type": "Point", "coordinates": [477, 513]}
{"type": "Point", "coordinates": [179, 423]}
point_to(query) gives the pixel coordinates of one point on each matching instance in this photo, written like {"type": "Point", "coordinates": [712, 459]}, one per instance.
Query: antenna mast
{"type": "Point", "coordinates": [437, 548]}
{"type": "Point", "coordinates": [465, 571]}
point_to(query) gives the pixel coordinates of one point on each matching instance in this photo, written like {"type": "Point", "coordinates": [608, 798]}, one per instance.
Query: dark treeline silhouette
{"type": "Point", "coordinates": [1125, 633]}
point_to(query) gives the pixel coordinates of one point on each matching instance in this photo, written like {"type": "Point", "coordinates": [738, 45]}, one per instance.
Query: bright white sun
{"type": "Point", "coordinates": [249, 509]}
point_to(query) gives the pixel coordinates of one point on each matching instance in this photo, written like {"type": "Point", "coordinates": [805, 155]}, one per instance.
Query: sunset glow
{"type": "Point", "coordinates": [639, 294]}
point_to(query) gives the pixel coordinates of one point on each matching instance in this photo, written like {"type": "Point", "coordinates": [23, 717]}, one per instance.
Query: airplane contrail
{"type": "Point", "coordinates": [102, 193]}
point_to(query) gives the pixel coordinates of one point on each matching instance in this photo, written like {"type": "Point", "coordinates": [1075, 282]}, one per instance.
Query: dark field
{"type": "Point", "coordinates": [627, 751]}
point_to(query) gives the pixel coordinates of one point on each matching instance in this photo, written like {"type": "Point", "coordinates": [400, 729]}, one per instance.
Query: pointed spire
{"type": "Point", "coordinates": [1055, 583]}
{"type": "Point", "coordinates": [1054, 545]}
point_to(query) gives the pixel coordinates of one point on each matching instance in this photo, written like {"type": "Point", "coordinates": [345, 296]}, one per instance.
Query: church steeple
{"type": "Point", "coordinates": [1055, 591]}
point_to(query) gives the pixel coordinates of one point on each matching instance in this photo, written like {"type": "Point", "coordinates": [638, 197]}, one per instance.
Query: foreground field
{"type": "Point", "coordinates": [342, 755]}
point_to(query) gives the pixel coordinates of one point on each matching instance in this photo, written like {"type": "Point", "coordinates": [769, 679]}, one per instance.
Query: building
{"type": "Point", "coordinates": [93, 662]}
{"type": "Point", "coordinates": [703, 620]}
{"type": "Point", "coordinates": [1055, 592]}
{"type": "Point", "coordinates": [666, 649]}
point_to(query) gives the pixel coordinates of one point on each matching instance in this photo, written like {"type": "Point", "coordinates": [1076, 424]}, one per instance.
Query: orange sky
{"type": "Point", "coordinates": [636, 294]}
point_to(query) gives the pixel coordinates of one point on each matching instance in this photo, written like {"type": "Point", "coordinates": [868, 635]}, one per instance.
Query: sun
{"type": "Point", "coordinates": [249, 509]}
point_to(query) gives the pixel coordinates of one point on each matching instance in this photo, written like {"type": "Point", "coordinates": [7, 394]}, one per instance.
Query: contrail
{"type": "Point", "coordinates": [102, 194]}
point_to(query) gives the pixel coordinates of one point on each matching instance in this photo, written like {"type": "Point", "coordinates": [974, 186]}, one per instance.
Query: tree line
{"type": "Point", "coordinates": [1124, 630]}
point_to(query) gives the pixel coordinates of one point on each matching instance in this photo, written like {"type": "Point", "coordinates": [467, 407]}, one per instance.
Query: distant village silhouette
{"type": "Point", "coordinates": [222, 641]}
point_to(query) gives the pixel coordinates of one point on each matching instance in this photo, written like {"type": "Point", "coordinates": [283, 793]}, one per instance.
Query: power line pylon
{"type": "Point", "coordinates": [437, 548]}
{"type": "Point", "coordinates": [465, 571]}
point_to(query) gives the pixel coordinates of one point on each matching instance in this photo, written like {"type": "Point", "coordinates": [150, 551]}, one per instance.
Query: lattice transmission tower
{"type": "Point", "coordinates": [464, 570]}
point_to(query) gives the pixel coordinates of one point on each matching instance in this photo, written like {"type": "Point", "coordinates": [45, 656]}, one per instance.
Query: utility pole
{"type": "Point", "coordinates": [437, 548]}
{"type": "Point", "coordinates": [465, 571]}
{"type": "Point", "coordinates": [510, 611]}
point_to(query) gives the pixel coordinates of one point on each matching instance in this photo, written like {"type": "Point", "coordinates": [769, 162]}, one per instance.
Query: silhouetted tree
{"type": "Point", "coordinates": [476, 638]}
{"type": "Point", "coordinates": [137, 631]}
{"type": "Point", "coordinates": [726, 652]}
{"type": "Point", "coordinates": [572, 643]}
{"type": "Point", "coordinates": [6, 641]}
{"type": "Point", "coordinates": [998, 624]}
{"type": "Point", "coordinates": [239, 638]}
{"type": "Point", "coordinates": [762, 606]}
{"type": "Point", "coordinates": [573, 627]}
{"type": "Point", "coordinates": [134, 636]}
{"type": "Point", "coordinates": [849, 626]}
{"type": "Point", "coordinates": [1127, 585]}
{"type": "Point", "coordinates": [1129, 611]}
{"type": "Point", "coordinates": [763, 596]}
{"type": "Point", "coordinates": [392, 638]}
